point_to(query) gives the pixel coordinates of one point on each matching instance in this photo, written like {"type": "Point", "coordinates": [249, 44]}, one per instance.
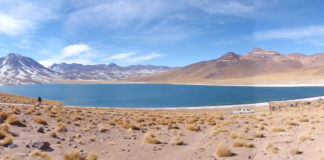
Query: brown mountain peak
{"type": "Point", "coordinates": [260, 51]}
{"type": "Point", "coordinates": [229, 56]}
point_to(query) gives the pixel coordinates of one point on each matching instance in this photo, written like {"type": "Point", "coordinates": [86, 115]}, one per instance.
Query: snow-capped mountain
{"type": "Point", "coordinates": [111, 71]}
{"type": "Point", "coordinates": [16, 69]}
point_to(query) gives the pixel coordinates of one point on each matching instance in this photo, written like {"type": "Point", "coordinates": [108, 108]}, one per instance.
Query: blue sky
{"type": "Point", "coordinates": [159, 32]}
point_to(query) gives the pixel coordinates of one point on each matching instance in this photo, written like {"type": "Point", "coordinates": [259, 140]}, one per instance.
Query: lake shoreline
{"type": "Point", "coordinates": [262, 105]}
{"type": "Point", "coordinates": [230, 84]}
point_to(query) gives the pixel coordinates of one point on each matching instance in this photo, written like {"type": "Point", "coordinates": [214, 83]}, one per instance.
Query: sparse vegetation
{"type": "Point", "coordinates": [223, 151]}
{"type": "Point", "coordinates": [270, 148]}
{"type": "Point", "coordinates": [295, 151]}
{"type": "Point", "coordinates": [14, 120]}
{"type": "Point", "coordinates": [305, 136]}
{"type": "Point", "coordinates": [39, 120]}
{"type": "Point", "coordinates": [243, 144]}
{"type": "Point", "coordinates": [277, 129]}
{"type": "Point", "coordinates": [151, 139]}
{"type": "Point", "coordinates": [40, 155]}
{"type": "Point", "coordinates": [193, 127]}
{"type": "Point", "coordinates": [177, 140]}
{"type": "Point", "coordinates": [79, 128]}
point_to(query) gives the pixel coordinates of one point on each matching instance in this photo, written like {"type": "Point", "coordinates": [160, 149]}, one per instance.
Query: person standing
{"type": "Point", "coordinates": [39, 100]}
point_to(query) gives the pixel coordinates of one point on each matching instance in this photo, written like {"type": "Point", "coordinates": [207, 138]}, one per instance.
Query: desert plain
{"type": "Point", "coordinates": [52, 131]}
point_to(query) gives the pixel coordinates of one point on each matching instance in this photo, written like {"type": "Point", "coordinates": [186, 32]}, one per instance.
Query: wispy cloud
{"type": "Point", "coordinates": [161, 20]}
{"type": "Point", "coordinates": [126, 11]}
{"type": "Point", "coordinates": [309, 34]}
{"type": "Point", "coordinates": [22, 16]}
{"type": "Point", "coordinates": [290, 33]}
{"type": "Point", "coordinates": [76, 53]}
{"type": "Point", "coordinates": [120, 56]}
{"type": "Point", "coordinates": [144, 57]}
{"type": "Point", "coordinates": [225, 7]}
{"type": "Point", "coordinates": [131, 58]}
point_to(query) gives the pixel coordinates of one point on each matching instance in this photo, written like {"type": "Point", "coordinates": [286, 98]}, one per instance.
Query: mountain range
{"type": "Point", "coordinates": [259, 65]}
{"type": "Point", "coordinates": [105, 72]}
{"type": "Point", "coordinates": [256, 66]}
{"type": "Point", "coordinates": [16, 69]}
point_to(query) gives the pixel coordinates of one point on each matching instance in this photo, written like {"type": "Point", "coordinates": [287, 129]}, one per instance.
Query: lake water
{"type": "Point", "coordinates": [159, 95]}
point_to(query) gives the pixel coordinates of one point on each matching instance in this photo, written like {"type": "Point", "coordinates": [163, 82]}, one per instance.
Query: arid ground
{"type": "Point", "coordinates": [51, 131]}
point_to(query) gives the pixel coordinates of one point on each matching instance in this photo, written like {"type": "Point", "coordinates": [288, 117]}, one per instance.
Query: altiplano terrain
{"type": "Point", "coordinates": [259, 67]}
{"type": "Point", "coordinates": [29, 131]}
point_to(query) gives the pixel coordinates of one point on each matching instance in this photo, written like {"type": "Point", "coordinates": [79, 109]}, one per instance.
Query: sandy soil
{"type": "Point", "coordinates": [123, 134]}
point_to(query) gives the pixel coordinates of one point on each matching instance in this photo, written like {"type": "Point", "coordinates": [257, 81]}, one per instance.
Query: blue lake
{"type": "Point", "coordinates": [159, 95]}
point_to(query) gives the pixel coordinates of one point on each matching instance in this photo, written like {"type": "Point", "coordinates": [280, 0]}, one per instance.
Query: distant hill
{"type": "Point", "coordinates": [254, 65]}
{"type": "Point", "coordinates": [111, 71]}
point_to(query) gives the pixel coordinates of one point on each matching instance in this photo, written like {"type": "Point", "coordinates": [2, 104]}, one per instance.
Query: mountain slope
{"type": "Point", "coordinates": [233, 67]}
{"type": "Point", "coordinates": [17, 69]}
{"type": "Point", "coordinates": [111, 71]}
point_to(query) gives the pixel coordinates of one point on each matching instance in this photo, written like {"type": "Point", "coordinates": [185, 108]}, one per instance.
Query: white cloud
{"type": "Point", "coordinates": [130, 57]}
{"type": "Point", "coordinates": [12, 26]}
{"type": "Point", "coordinates": [21, 16]}
{"type": "Point", "coordinates": [225, 7]}
{"type": "Point", "coordinates": [144, 57]}
{"type": "Point", "coordinates": [120, 56]}
{"type": "Point", "coordinates": [74, 50]}
{"type": "Point", "coordinates": [46, 63]}
{"type": "Point", "coordinates": [76, 53]}
{"type": "Point", "coordinates": [308, 34]}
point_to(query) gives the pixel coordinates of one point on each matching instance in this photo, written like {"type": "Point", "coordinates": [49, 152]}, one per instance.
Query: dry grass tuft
{"type": "Point", "coordinates": [259, 135]}
{"type": "Point", "coordinates": [39, 120]}
{"type": "Point", "coordinates": [177, 140]}
{"type": "Point", "coordinates": [73, 155]}
{"type": "Point", "coordinates": [5, 138]}
{"type": "Point", "coordinates": [243, 144]}
{"type": "Point", "coordinates": [127, 125]}
{"type": "Point", "coordinates": [270, 149]}
{"type": "Point", "coordinates": [103, 129]}
{"type": "Point", "coordinates": [8, 158]}
{"type": "Point", "coordinates": [4, 127]}
{"type": "Point", "coordinates": [295, 151]}
{"type": "Point", "coordinates": [61, 127]}
{"type": "Point", "coordinates": [291, 123]}
{"type": "Point", "coordinates": [4, 115]}
{"type": "Point", "coordinates": [303, 120]}
{"type": "Point", "coordinates": [54, 133]}
{"type": "Point", "coordinates": [277, 129]}
{"type": "Point", "coordinates": [14, 120]}
{"type": "Point", "coordinates": [41, 155]}
{"type": "Point", "coordinates": [305, 136]}
{"type": "Point", "coordinates": [193, 127]}
{"type": "Point", "coordinates": [150, 138]}
{"type": "Point", "coordinates": [76, 155]}
{"type": "Point", "coordinates": [223, 151]}
{"type": "Point", "coordinates": [92, 139]}
{"type": "Point", "coordinates": [91, 156]}
{"type": "Point", "coordinates": [234, 135]}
